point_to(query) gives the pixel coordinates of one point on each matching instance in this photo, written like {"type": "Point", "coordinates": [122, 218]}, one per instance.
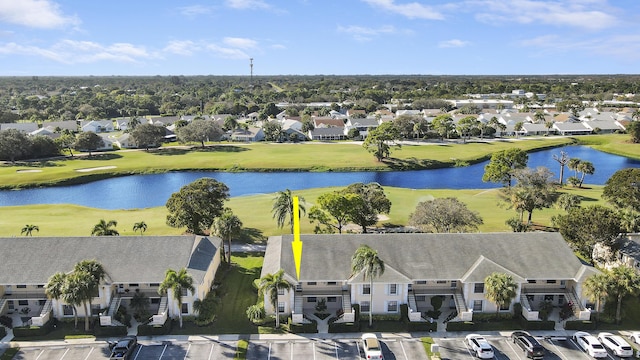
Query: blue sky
{"type": "Point", "coordinates": [307, 37]}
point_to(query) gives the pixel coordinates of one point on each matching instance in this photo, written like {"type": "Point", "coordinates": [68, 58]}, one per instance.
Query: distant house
{"type": "Point", "coordinates": [604, 126]}
{"type": "Point", "coordinates": [125, 141]}
{"type": "Point", "coordinates": [70, 125]}
{"type": "Point", "coordinates": [572, 128]}
{"type": "Point", "coordinates": [326, 122]}
{"type": "Point", "coordinates": [328, 133]}
{"type": "Point", "coordinates": [251, 134]}
{"type": "Point", "coordinates": [529, 129]}
{"type": "Point", "coordinates": [23, 273]}
{"type": "Point", "coordinates": [22, 127]}
{"type": "Point", "coordinates": [363, 125]}
{"type": "Point", "coordinates": [97, 126]}
{"type": "Point", "coordinates": [163, 120]}
{"type": "Point", "coordinates": [122, 124]}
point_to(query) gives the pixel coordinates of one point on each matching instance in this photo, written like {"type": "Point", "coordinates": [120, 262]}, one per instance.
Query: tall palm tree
{"type": "Point", "coordinates": [226, 227]}
{"type": "Point", "coordinates": [75, 290]}
{"type": "Point", "coordinates": [573, 165]}
{"type": "Point", "coordinates": [366, 261]}
{"type": "Point", "coordinates": [283, 208]}
{"type": "Point", "coordinates": [140, 226]}
{"type": "Point", "coordinates": [177, 282]}
{"type": "Point", "coordinates": [586, 168]}
{"type": "Point", "coordinates": [500, 288]}
{"type": "Point", "coordinates": [55, 286]}
{"type": "Point", "coordinates": [104, 228]}
{"type": "Point", "coordinates": [270, 285]}
{"type": "Point", "coordinates": [27, 230]}
{"type": "Point", "coordinates": [597, 288]}
{"type": "Point", "coordinates": [623, 281]}
{"type": "Point", "coordinates": [93, 273]}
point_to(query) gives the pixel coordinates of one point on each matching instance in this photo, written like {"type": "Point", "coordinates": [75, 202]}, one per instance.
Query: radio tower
{"type": "Point", "coordinates": [251, 66]}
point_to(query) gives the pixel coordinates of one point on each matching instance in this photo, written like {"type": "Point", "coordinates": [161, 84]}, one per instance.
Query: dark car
{"type": "Point", "coordinates": [528, 344]}
{"type": "Point", "coordinates": [123, 349]}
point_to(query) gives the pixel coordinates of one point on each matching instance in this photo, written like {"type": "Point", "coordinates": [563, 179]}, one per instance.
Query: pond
{"type": "Point", "coordinates": [142, 191]}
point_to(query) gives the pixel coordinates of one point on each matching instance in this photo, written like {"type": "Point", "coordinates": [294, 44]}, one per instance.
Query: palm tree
{"type": "Point", "coordinates": [623, 281]}
{"type": "Point", "coordinates": [518, 127]}
{"type": "Point", "coordinates": [538, 116]}
{"type": "Point", "coordinates": [629, 220]}
{"type": "Point", "coordinates": [177, 282]}
{"type": "Point", "coordinates": [500, 288]}
{"type": "Point", "coordinates": [366, 261]}
{"type": "Point", "coordinates": [270, 285]}
{"type": "Point", "coordinates": [283, 208]}
{"type": "Point", "coordinates": [586, 168]}
{"type": "Point", "coordinates": [573, 164]}
{"type": "Point", "coordinates": [226, 227]}
{"type": "Point", "coordinates": [104, 228]}
{"type": "Point", "coordinates": [75, 290]}
{"type": "Point", "coordinates": [92, 272]}
{"type": "Point", "coordinates": [597, 287]}
{"type": "Point", "coordinates": [140, 226]}
{"type": "Point", "coordinates": [139, 304]}
{"type": "Point", "coordinates": [55, 286]}
{"type": "Point", "coordinates": [27, 230]}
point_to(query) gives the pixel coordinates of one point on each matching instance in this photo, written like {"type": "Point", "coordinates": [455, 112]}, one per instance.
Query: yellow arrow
{"type": "Point", "coordinates": [296, 245]}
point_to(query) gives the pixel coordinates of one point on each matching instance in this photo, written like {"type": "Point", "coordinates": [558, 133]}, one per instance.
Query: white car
{"type": "Point", "coordinates": [635, 337]}
{"type": "Point", "coordinates": [480, 346]}
{"type": "Point", "coordinates": [371, 347]}
{"type": "Point", "coordinates": [616, 344]}
{"type": "Point", "coordinates": [590, 344]}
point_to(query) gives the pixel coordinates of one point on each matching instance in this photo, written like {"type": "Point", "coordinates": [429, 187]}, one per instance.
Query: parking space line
{"type": "Point", "coordinates": [187, 353]}
{"type": "Point", "coordinates": [65, 353]}
{"type": "Point", "coordinates": [404, 352]}
{"type": "Point", "coordinates": [313, 346]}
{"type": "Point", "coordinates": [269, 358]}
{"type": "Point", "coordinates": [291, 357]}
{"type": "Point", "coordinates": [163, 350]}
{"type": "Point", "coordinates": [137, 352]}
{"type": "Point", "coordinates": [558, 350]}
{"type": "Point", "coordinates": [512, 348]}
{"type": "Point", "coordinates": [468, 350]}
{"type": "Point", "coordinates": [335, 346]}
{"type": "Point", "coordinates": [89, 354]}
{"type": "Point", "coordinates": [580, 349]}
{"type": "Point", "coordinates": [358, 346]}
{"type": "Point", "coordinates": [211, 351]}
{"type": "Point", "coordinates": [41, 352]}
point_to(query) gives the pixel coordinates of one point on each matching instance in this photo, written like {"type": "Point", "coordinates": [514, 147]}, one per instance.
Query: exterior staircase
{"type": "Point", "coordinates": [461, 306]}
{"type": "Point", "coordinates": [115, 304]}
{"type": "Point", "coordinates": [164, 305]}
{"type": "Point", "coordinates": [45, 309]}
{"type": "Point", "coordinates": [411, 299]}
{"type": "Point", "coordinates": [346, 302]}
{"type": "Point", "coordinates": [3, 304]}
{"type": "Point", "coordinates": [297, 304]}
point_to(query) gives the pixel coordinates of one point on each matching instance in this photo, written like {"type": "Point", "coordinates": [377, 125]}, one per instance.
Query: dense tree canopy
{"type": "Point", "coordinates": [200, 131]}
{"type": "Point", "coordinates": [502, 164]}
{"type": "Point", "coordinates": [14, 145]}
{"type": "Point", "coordinates": [534, 189]}
{"type": "Point", "coordinates": [196, 205]}
{"type": "Point", "coordinates": [623, 189]}
{"type": "Point", "coordinates": [380, 140]}
{"type": "Point", "coordinates": [444, 215]}
{"type": "Point", "coordinates": [147, 135]}
{"type": "Point", "coordinates": [374, 202]}
{"type": "Point", "coordinates": [88, 141]}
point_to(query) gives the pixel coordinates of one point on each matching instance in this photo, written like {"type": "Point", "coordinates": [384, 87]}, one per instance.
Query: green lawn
{"type": "Point", "coordinates": [255, 213]}
{"type": "Point", "coordinates": [310, 156]}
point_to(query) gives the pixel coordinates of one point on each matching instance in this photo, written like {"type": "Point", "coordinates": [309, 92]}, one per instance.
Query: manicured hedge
{"type": "Point", "coordinates": [29, 331]}
{"type": "Point", "coordinates": [461, 326]}
{"type": "Point", "coordinates": [344, 327]}
{"type": "Point", "coordinates": [422, 326]}
{"type": "Point", "coordinates": [109, 331]}
{"type": "Point", "coordinates": [3, 332]}
{"type": "Point", "coordinates": [303, 328]}
{"type": "Point", "coordinates": [580, 325]}
{"type": "Point", "coordinates": [150, 330]}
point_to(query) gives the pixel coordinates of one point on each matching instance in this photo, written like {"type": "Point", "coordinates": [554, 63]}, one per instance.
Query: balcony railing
{"type": "Point", "coordinates": [25, 295]}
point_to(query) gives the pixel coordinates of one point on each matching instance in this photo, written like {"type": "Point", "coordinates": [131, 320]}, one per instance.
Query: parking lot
{"type": "Point", "coordinates": [504, 348]}
{"type": "Point", "coordinates": [342, 349]}
{"type": "Point", "coordinates": [157, 351]}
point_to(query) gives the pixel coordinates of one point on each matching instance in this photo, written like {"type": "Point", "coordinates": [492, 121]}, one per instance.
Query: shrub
{"type": "Point", "coordinates": [109, 331]}
{"type": "Point", "coordinates": [422, 326]}
{"type": "Point", "coordinates": [546, 307]}
{"type": "Point", "coordinates": [580, 325]}
{"type": "Point", "coordinates": [3, 332]}
{"type": "Point", "coordinates": [256, 313]}
{"type": "Point", "coordinates": [461, 326]}
{"type": "Point", "coordinates": [6, 321]}
{"type": "Point", "coordinates": [150, 330]}
{"type": "Point", "coordinates": [123, 316]}
{"type": "Point", "coordinates": [436, 302]}
{"type": "Point", "coordinates": [29, 331]}
{"type": "Point", "coordinates": [404, 312]}
{"type": "Point", "coordinates": [302, 328]}
{"type": "Point", "coordinates": [344, 327]}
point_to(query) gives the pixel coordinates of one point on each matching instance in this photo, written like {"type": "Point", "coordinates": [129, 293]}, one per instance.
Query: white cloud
{"type": "Point", "coordinates": [195, 10]}
{"type": "Point", "coordinates": [362, 33]}
{"type": "Point", "coordinates": [247, 4]}
{"type": "Point", "coordinates": [227, 52]}
{"type": "Point", "coordinates": [622, 48]}
{"type": "Point", "coordinates": [181, 47]}
{"type": "Point", "coordinates": [241, 43]}
{"type": "Point", "coordinates": [278, 46]}
{"type": "Point", "coordinates": [74, 52]}
{"type": "Point", "coordinates": [587, 14]}
{"type": "Point", "coordinates": [413, 10]}
{"type": "Point", "coordinates": [43, 14]}
{"type": "Point", "coordinates": [453, 43]}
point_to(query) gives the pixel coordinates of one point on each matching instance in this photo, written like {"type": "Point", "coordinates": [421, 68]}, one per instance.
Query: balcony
{"type": "Point", "coordinates": [25, 295]}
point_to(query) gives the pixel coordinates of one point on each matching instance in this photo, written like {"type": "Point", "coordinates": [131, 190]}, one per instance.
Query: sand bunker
{"type": "Point", "coordinates": [96, 168]}
{"type": "Point", "coordinates": [29, 171]}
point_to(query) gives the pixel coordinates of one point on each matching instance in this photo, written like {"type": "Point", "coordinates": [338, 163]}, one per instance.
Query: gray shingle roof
{"type": "Point", "coordinates": [127, 259]}
{"type": "Point", "coordinates": [430, 256]}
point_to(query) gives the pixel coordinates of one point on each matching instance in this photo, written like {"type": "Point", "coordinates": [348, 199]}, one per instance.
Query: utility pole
{"type": "Point", "coordinates": [251, 67]}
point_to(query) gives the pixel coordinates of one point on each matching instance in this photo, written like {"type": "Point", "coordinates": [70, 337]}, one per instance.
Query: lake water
{"type": "Point", "coordinates": [142, 191]}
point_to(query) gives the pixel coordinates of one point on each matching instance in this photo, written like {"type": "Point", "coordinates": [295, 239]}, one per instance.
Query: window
{"type": "Point", "coordinates": [421, 298]}
{"type": "Point", "coordinates": [133, 285]}
{"type": "Point", "coordinates": [311, 283]}
{"type": "Point", "coordinates": [441, 282]}
{"type": "Point", "coordinates": [332, 299]}
{"type": "Point", "coordinates": [312, 299]}
{"type": "Point", "coordinates": [421, 282]}
{"type": "Point", "coordinates": [281, 307]}
{"type": "Point", "coordinates": [551, 281]}
{"type": "Point", "coordinates": [393, 289]}
{"type": "Point", "coordinates": [504, 307]}
{"type": "Point", "coordinates": [21, 286]}
{"type": "Point", "coordinates": [23, 302]}
{"type": "Point", "coordinates": [40, 286]}
{"type": "Point", "coordinates": [392, 306]}
{"type": "Point", "coordinates": [332, 283]}
{"type": "Point", "coordinates": [478, 288]}
{"type": "Point", "coordinates": [42, 302]}
{"type": "Point", "coordinates": [280, 291]}
{"type": "Point", "coordinates": [185, 308]}
{"type": "Point", "coordinates": [67, 310]}
{"type": "Point", "coordinates": [454, 284]}
{"type": "Point", "coordinates": [548, 298]}
{"type": "Point", "coordinates": [184, 292]}
{"type": "Point", "coordinates": [531, 281]}
{"type": "Point", "coordinates": [366, 289]}
{"type": "Point", "coordinates": [364, 306]}
{"type": "Point", "coordinates": [477, 305]}
{"type": "Point", "coordinates": [155, 300]}
{"type": "Point", "coordinates": [154, 284]}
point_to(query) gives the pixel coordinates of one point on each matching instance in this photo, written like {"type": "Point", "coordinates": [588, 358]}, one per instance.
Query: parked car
{"type": "Point", "coordinates": [371, 346]}
{"type": "Point", "coordinates": [590, 344]}
{"type": "Point", "coordinates": [616, 344]}
{"type": "Point", "coordinates": [531, 347]}
{"type": "Point", "coordinates": [123, 348]}
{"type": "Point", "coordinates": [480, 346]}
{"type": "Point", "coordinates": [635, 337]}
